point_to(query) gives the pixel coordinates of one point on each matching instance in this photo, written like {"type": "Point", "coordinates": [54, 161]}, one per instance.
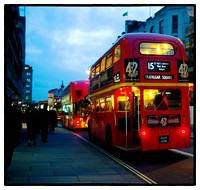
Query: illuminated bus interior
{"type": "Point", "coordinates": [147, 48]}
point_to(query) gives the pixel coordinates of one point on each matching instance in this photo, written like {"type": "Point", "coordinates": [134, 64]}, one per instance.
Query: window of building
{"type": "Point", "coordinates": [117, 53]}
{"type": "Point", "coordinates": [28, 74]}
{"type": "Point", "coordinates": [26, 68]}
{"type": "Point", "coordinates": [175, 24]}
{"type": "Point", "coordinates": [103, 64]}
{"type": "Point", "coordinates": [161, 27]}
{"type": "Point", "coordinates": [191, 19]}
{"type": "Point", "coordinates": [28, 86]}
{"type": "Point", "coordinates": [152, 30]}
{"type": "Point", "coordinates": [28, 91]}
{"type": "Point", "coordinates": [28, 80]}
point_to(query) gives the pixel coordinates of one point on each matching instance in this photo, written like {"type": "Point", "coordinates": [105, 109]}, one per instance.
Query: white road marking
{"type": "Point", "coordinates": [182, 153]}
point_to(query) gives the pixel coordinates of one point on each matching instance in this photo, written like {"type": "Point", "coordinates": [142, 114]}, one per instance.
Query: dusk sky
{"type": "Point", "coordinates": [63, 42]}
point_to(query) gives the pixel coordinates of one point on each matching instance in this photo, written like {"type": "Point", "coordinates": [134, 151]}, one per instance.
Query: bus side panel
{"type": "Point", "coordinates": [99, 122]}
{"type": "Point", "coordinates": [96, 122]}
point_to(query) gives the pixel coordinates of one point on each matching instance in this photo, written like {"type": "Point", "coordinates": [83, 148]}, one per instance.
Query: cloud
{"type": "Point", "coordinates": [81, 37]}
{"type": "Point", "coordinates": [62, 42]}
{"type": "Point", "coordinates": [33, 50]}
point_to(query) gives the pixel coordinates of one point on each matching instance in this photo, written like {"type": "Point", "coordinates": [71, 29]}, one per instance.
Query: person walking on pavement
{"type": "Point", "coordinates": [30, 118]}
{"type": "Point", "coordinates": [44, 124]}
{"type": "Point", "coordinates": [53, 121]}
{"type": "Point", "coordinates": [12, 131]}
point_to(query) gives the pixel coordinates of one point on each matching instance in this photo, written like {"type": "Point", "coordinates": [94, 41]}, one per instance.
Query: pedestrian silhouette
{"type": "Point", "coordinates": [44, 124]}
{"type": "Point", "coordinates": [53, 121]}
{"type": "Point", "coordinates": [31, 121]}
{"type": "Point", "coordinates": [12, 131]}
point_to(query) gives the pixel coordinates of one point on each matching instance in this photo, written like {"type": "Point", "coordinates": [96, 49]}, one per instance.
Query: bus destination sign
{"type": "Point", "coordinates": [158, 77]}
{"type": "Point", "coordinates": [158, 66]}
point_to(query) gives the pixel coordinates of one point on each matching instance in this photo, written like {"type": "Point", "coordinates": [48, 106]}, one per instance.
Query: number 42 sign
{"type": "Point", "coordinates": [132, 70]}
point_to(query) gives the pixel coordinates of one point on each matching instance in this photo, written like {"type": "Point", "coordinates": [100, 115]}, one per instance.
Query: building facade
{"type": "Point", "coordinates": [54, 97]}
{"type": "Point", "coordinates": [177, 21]}
{"type": "Point", "coordinates": [14, 44]}
{"type": "Point", "coordinates": [28, 75]}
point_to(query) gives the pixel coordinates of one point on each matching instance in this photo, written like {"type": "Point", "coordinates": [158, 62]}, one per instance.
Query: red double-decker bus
{"type": "Point", "coordinates": [75, 105]}
{"type": "Point", "coordinates": [43, 104]}
{"type": "Point", "coordinates": [139, 94]}
{"type": "Point", "coordinates": [57, 107]}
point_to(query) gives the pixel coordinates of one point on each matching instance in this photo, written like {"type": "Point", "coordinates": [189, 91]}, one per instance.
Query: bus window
{"type": "Point", "coordinates": [102, 104]}
{"type": "Point", "coordinates": [147, 48]}
{"type": "Point", "coordinates": [93, 72]}
{"type": "Point", "coordinates": [109, 103]}
{"type": "Point", "coordinates": [103, 63]}
{"type": "Point", "coordinates": [97, 69]}
{"type": "Point", "coordinates": [117, 54]}
{"type": "Point", "coordinates": [109, 62]}
{"type": "Point", "coordinates": [97, 106]}
{"type": "Point", "coordinates": [160, 99]}
{"type": "Point", "coordinates": [121, 103]}
{"type": "Point", "coordinates": [92, 107]}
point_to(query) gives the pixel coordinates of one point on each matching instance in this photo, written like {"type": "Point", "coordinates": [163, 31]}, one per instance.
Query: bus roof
{"type": "Point", "coordinates": [76, 86]}
{"type": "Point", "coordinates": [141, 36]}
{"type": "Point", "coordinates": [77, 83]}
{"type": "Point", "coordinates": [43, 102]}
{"type": "Point", "coordinates": [146, 36]}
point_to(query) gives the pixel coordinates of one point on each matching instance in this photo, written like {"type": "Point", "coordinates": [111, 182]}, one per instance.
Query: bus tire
{"type": "Point", "coordinates": [108, 137]}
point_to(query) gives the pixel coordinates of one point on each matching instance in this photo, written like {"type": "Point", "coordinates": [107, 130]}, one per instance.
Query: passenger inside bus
{"type": "Point", "coordinates": [161, 101]}
{"type": "Point", "coordinates": [151, 106]}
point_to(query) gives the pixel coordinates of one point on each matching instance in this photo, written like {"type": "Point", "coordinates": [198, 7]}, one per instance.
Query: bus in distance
{"type": "Point", "coordinates": [57, 107]}
{"type": "Point", "coordinates": [139, 94]}
{"type": "Point", "coordinates": [75, 105]}
{"type": "Point", "coordinates": [43, 104]}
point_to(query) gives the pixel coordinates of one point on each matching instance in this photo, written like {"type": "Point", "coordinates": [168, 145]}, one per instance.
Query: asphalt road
{"type": "Point", "coordinates": [165, 167]}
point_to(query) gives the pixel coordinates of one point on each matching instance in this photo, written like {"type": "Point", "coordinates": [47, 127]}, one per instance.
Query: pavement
{"type": "Point", "coordinates": [65, 160]}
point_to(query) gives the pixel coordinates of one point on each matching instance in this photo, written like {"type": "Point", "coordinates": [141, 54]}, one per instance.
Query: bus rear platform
{"type": "Point", "coordinates": [65, 160]}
